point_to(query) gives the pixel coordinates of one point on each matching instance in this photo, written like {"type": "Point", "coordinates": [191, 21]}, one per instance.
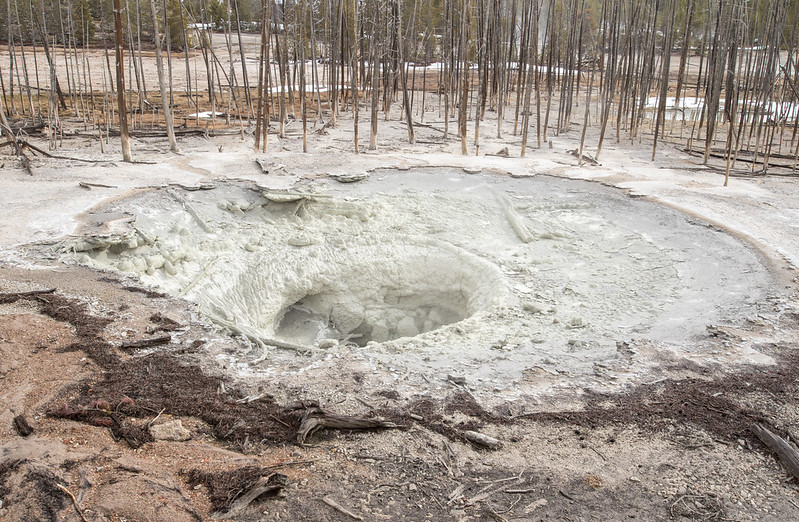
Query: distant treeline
{"type": "Point", "coordinates": [719, 75]}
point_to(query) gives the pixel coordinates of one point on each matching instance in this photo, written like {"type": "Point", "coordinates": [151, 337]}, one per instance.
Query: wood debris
{"type": "Point", "coordinates": [11, 297]}
{"type": "Point", "coordinates": [269, 484]}
{"type": "Point", "coordinates": [146, 343]}
{"type": "Point", "coordinates": [585, 158]}
{"type": "Point", "coordinates": [315, 418]}
{"type": "Point", "coordinates": [482, 440]}
{"type": "Point", "coordinates": [89, 186]}
{"type": "Point", "coordinates": [788, 456]}
{"type": "Point", "coordinates": [74, 501]}
{"type": "Point", "coordinates": [338, 507]}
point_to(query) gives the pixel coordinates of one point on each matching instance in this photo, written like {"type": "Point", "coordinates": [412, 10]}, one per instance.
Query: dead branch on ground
{"type": "Point", "coordinates": [10, 297]}
{"type": "Point", "coordinates": [341, 509]}
{"type": "Point", "coordinates": [146, 343]}
{"type": "Point", "coordinates": [788, 456]}
{"type": "Point", "coordinates": [315, 418]}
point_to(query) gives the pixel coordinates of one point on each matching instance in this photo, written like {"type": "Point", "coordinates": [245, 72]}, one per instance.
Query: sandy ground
{"type": "Point", "coordinates": [674, 441]}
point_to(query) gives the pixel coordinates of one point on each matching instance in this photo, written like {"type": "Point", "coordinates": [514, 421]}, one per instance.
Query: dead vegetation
{"type": "Point", "coordinates": [227, 489]}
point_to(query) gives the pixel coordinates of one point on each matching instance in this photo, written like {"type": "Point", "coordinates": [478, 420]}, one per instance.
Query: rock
{"type": "Point", "coordinates": [456, 379]}
{"type": "Point", "coordinates": [171, 430]}
{"type": "Point", "coordinates": [21, 424]}
{"type": "Point", "coordinates": [326, 344]}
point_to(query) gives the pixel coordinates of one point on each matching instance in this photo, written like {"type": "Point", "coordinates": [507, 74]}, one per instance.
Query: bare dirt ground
{"type": "Point", "coordinates": [675, 443]}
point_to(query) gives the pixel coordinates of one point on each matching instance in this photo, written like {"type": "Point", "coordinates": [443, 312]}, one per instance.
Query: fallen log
{"type": "Point", "coordinates": [788, 455]}
{"type": "Point", "coordinates": [11, 297]}
{"type": "Point", "coordinates": [189, 131]}
{"type": "Point", "coordinates": [26, 128]}
{"type": "Point", "coordinates": [750, 158]}
{"type": "Point", "coordinates": [315, 418]}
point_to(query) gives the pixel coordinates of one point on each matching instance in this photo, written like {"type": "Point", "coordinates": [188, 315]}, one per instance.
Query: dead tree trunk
{"type": "Point", "coordinates": [403, 79]}
{"type": "Point", "coordinates": [120, 66]}
{"type": "Point", "coordinates": [664, 82]}
{"type": "Point", "coordinates": [159, 64]}
{"type": "Point", "coordinates": [375, 79]}
{"type": "Point", "coordinates": [463, 58]}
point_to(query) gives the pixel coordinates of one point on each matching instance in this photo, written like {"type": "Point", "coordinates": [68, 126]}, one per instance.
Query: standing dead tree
{"type": "Point", "coordinates": [170, 129]}
{"type": "Point", "coordinates": [120, 71]}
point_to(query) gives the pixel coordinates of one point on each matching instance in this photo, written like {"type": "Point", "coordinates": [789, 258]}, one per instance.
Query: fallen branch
{"type": "Point", "coordinates": [341, 509]}
{"type": "Point", "coordinates": [597, 452]}
{"type": "Point", "coordinates": [253, 335]}
{"type": "Point", "coordinates": [11, 297]}
{"type": "Point", "coordinates": [316, 418]}
{"type": "Point", "coordinates": [586, 158]}
{"type": "Point", "coordinates": [456, 494]}
{"type": "Point", "coordinates": [188, 131]}
{"type": "Point", "coordinates": [515, 220]}
{"type": "Point", "coordinates": [282, 196]}
{"type": "Point", "coordinates": [290, 464]}
{"type": "Point", "coordinates": [490, 490]}
{"type": "Point", "coordinates": [366, 403]}
{"type": "Point", "coordinates": [788, 455]}
{"type": "Point", "coordinates": [188, 208]}
{"type": "Point", "coordinates": [520, 491]}
{"type": "Point", "coordinates": [150, 424]}
{"type": "Point", "coordinates": [18, 128]}
{"type": "Point", "coordinates": [146, 343]}
{"type": "Point", "coordinates": [28, 145]}
{"type": "Point", "coordinates": [742, 157]}
{"type": "Point", "coordinates": [74, 501]}
{"type": "Point", "coordinates": [273, 482]}
{"type": "Point", "coordinates": [566, 495]}
{"type": "Point", "coordinates": [89, 186]}
{"type": "Point", "coordinates": [482, 440]}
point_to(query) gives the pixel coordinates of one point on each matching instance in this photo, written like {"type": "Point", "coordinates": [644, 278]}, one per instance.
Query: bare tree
{"type": "Point", "coordinates": [159, 64]}
{"type": "Point", "coordinates": [120, 67]}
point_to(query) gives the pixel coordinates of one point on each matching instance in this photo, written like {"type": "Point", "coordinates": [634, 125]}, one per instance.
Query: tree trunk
{"type": "Point", "coordinates": [120, 66]}
{"type": "Point", "coordinates": [159, 64]}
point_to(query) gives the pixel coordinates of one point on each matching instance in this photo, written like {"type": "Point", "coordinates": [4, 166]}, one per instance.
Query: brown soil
{"type": "Point", "coordinates": [90, 404]}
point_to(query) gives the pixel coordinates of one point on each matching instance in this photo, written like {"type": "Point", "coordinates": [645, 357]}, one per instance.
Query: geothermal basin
{"type": "Point", "coordinates": [434, 277]}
